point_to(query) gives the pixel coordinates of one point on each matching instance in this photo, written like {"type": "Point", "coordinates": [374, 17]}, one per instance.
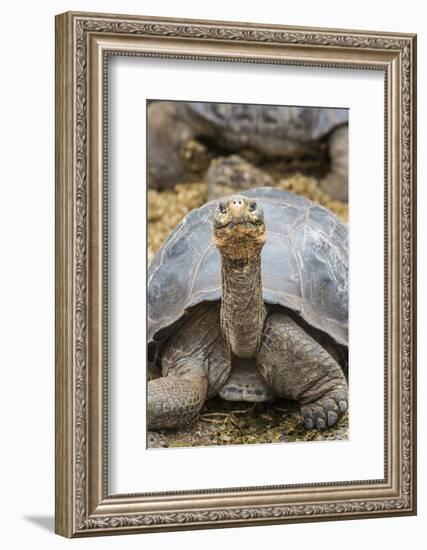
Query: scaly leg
{"type": "Point", "coordinates": [195, 364]}
{"type": "Point", "coordinates": [166, 137]}
{"type": "Point", "coordinates": [335, 184]}
{"type": "Point", "coordinates": [174, 401]}
{"type": "Point", "coordinates": [297, 367]}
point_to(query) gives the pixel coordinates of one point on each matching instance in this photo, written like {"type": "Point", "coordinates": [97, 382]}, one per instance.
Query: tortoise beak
{"type": "Point", "coordinates": [239, 229]}
{"type": "Point", "coordinates": [237, 208]}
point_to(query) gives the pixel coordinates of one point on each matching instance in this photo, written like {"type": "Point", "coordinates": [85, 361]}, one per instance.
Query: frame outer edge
{"type": "Point", "coordinates": [414, 256]}
{"type": "Point", "coordinates": [413, 252]}
{"type": "Point", "coordinates": [74, 514]}
{"type": "Point", "coordinates": [64, 275]}
{"type": "Point", "coordinates": [249, 25]}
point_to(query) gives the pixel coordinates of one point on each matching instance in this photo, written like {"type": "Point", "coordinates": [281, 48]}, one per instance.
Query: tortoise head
{"type": "Point", "coordinates": [238, 227]}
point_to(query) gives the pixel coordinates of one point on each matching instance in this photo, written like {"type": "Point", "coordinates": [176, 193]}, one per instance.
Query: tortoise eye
{"type": "Point", "coordinates": [221, 207]}
{"type": "Point", "coordinates": [252, 206]}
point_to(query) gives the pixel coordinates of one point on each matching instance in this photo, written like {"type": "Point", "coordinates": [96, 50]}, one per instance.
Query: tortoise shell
{"type": "Point", "coordinates": [304, 265]}
{"type": "Point", "coordinates": [270, 129]}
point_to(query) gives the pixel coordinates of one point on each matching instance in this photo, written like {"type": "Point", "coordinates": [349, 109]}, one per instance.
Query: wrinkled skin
{"type": "Point", "coordinates": [241, 349]}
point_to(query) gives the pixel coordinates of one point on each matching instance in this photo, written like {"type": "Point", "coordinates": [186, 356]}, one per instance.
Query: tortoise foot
{"type": "Point", "coordinates": [325, 412]}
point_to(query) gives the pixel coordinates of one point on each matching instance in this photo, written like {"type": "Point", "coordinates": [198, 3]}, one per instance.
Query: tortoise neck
{"type": "Point", "coordinates": [242, 307]}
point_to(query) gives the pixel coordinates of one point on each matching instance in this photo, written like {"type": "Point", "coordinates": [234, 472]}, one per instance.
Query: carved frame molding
{"type": "Point", "coordinates": [83, 43]}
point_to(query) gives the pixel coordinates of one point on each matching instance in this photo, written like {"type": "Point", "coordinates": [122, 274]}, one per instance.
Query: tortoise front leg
{"type": "Point", "coordinates": [195, 364]}
{"type": "Point", "coordinates": [175, 400]}
{"type": "Point", "coordinates": [297, 367]}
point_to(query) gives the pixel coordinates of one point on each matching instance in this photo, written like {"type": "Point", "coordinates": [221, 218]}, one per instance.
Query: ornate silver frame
{"type": "Point", "coordinates": [83, 42]}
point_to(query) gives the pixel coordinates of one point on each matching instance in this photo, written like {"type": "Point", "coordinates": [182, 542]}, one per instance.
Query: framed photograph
{"type": "Point", "coordinates": [235, 274]}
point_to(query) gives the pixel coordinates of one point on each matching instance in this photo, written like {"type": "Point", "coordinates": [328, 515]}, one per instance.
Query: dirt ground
{"type": "Point", "coordinates": [221, 422]}
{"type": "Point", "coordinates": [227, 423]}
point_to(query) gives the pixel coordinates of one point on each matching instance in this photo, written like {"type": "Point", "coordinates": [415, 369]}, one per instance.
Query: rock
{"type": "Point", "coordinates": [228, 175]}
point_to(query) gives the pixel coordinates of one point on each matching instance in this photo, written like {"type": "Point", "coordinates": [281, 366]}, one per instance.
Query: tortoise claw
{"type": "Point", "coordinates": [325, 412]}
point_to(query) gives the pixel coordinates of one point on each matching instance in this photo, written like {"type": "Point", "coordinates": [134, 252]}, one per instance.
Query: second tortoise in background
{"type": "Point", "coordinates": [272, 131]}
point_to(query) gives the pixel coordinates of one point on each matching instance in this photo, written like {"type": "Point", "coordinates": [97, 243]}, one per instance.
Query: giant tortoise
{"type": "Point", "coordinates": [248, 299]}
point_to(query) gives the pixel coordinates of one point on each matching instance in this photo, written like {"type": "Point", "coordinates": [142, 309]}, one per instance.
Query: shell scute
{"type": "Point", "coordinates": [304, 265]}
